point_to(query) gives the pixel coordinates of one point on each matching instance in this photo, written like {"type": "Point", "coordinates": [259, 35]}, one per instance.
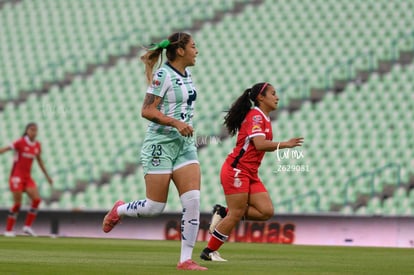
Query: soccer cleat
{"type": "Point", "coordinates": [190, 265]}
{"type": "Point", "coordinates": [9, 234]}
{"type": "Point", "coordinates": [29, 231]}
{"type": "Point", "coordinates": [212, 256]}
{"type": "Point", "coordinates": [219, 212]}
{"type": "Point", "coordinates": [111, 218]}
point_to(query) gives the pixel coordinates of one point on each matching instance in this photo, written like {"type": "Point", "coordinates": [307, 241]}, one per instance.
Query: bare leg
{"type": "Point", "coordinates": [260, 207]}
{"type": "Point", "coordinates": [237, 205]}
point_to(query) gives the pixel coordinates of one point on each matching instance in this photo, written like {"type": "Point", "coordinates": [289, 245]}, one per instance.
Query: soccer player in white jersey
{"type": "Point", "coordinates": [169, 151]}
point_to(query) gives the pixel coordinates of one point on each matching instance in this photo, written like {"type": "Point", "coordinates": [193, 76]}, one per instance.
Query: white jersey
{"type": "Point", "coordinates": [178, 95]}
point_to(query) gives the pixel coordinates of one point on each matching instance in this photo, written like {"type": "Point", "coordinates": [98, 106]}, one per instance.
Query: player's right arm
{"type": "Point", "coordinates": [5, 149]}
{"type": "Point", "coordinates": [261, 144]}
{"type": "Point", "coordinates": [149, 111]}
{"type": "Point", "coordinates": [161, 83]}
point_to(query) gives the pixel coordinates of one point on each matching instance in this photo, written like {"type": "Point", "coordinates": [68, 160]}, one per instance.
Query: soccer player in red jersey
{"type": "Point", "coordinates": [246, 196]}
{"type": "Point", "coordinates": [26, 149]}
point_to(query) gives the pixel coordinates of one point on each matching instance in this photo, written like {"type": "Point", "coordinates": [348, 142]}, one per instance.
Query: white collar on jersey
{"type": "Point", "coordinates": [267, 118]}
{"type": "Point", "coordinates": [31, 143]}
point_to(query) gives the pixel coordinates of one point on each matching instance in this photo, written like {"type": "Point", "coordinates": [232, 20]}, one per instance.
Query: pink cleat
{"type": "Point", "coordinates": [190, 265]}
{"type": "Point", "coordinates": [112, 218]}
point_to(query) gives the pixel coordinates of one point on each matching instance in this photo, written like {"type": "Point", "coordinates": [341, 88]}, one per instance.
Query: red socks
{"type": "Point", "coordinates": [31, 215]}
{"type": "Point", "coordinates": [11, 218]}
{"type": "Point", "coordinates": [216, 240]}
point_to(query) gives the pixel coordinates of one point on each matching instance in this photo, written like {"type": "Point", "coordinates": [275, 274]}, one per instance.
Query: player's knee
{"type": "Point", "coordinates": [191, 199]}
{"type": "Point", "coordinates": [15, 208]}
{"type": "Point", "coordinates": [267, 213]}
{"type": "Point", "coordinates": [236, 214]}
{"type": "Point", "coordinates": [154, 208]}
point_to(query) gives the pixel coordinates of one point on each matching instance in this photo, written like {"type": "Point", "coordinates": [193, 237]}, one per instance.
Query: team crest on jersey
{"type": "Point", "coordinates": [257, 118]}
{"type": "Point", "coordinates": [237, 182]}
{"type": "Point", "coordinates": [256, 128]}
{"type": "Point", "coordinates": [26, 148]}
{"type": "Point", "coordinates": [15, 180]}
{"type": "Point", "coordinates": [156, 161]}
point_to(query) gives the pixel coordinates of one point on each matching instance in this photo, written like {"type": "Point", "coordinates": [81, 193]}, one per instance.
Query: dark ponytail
{"type": "Point", "coordinates": [27, 127]}
{"type": "Point", "coordinates": [242, 106]}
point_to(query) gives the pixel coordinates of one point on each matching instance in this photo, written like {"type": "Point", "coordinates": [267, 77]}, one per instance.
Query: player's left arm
{"type": "Point", "coordinates": [43, 168]}
{"type": "Point", "coordinates": [5, 149]}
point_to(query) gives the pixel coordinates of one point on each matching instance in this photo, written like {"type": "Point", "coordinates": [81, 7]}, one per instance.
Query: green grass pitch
{"type": "Point", "coordinates": [25, 255]}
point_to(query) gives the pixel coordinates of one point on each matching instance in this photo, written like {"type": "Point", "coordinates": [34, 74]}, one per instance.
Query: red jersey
{"type": "Point", "coordinates": [245, 155]}
{"type": "Point", "coordinates": [25, 151]}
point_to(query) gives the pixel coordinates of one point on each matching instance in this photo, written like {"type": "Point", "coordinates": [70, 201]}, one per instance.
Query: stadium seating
{"type": "Point", "coordinates": [278, 42]}
{"type": "Point", "coordinates": [43, 40]}
{"type": "Point", "coordinates": [93, 125]}
{"type": "Point", "coordinates": [85, 126]}
{"type": "Point", "coordinates": [346, 135]}
{"type": "Point", "coordinates": [355, 132]}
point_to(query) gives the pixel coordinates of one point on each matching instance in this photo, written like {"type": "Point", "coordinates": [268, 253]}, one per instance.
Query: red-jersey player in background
{"type": "Point", "coordinates": [246, 196]}
{"type": "Point", "coordinates": [26, 149]}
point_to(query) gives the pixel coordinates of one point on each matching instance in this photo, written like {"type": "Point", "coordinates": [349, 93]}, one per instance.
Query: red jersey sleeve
{"type": "Point", "coordinates": [255, 125]}
{"type": "Point", "coordinates": [17, 145]}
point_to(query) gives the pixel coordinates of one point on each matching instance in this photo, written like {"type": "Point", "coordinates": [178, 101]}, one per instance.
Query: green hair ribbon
{"type": "Point", "coordinates": [162, 45]}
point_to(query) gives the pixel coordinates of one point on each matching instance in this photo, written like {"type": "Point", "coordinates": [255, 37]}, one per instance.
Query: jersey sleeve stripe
{"type": "Point", "coordinates": [257, 134]}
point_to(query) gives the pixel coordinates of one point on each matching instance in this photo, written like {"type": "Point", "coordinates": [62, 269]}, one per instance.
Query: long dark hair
{"type": "Point", "coordinates": [151, 57]}
{"type": "Point", "coordinates": [30, 124]}
{"type": "Point", "coordinates": [242, 106]}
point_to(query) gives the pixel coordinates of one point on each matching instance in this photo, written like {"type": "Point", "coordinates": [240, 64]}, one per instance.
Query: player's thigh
{"type": "Point", "coordinates": [17, 197]}
{"type": "Point", "coordinates": [187, 178]}
{"type": "Point", "coordinates": [237, 205]}
{"type": "Point", "coordinates": [186, 168]}
{"type": "Point", "coordinates": [31, 189]}
{"type": "Point", "coordinates": [262, 202]}
{"type": "Point", "coordinates": [157, 186]}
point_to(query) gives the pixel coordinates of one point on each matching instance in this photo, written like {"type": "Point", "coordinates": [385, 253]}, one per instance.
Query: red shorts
{"type": "Point", "coordinates": [20, 184]}
{"type": "Point", "coordinates": [236, 181]}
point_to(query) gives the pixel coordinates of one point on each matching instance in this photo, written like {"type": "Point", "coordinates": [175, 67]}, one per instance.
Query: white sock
{"type": "Point", "coordinates": [141, 208]}
{"type": "Point", "coordinates": [189, 223]}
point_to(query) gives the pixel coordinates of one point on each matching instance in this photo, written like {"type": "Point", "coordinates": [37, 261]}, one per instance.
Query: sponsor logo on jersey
{"type": "Point", "coordinates": [160, 73]}
{"type": "Point", "coordinates": [29, 156]}
{"type": "Point", "coordinates": [267, 130]}
{"type": "Point", "coordinates": [178, 82]}
{"type": "Point", "coordinates": [156, 83]}
{"type": "Point", "coordinates": [256, 128]}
